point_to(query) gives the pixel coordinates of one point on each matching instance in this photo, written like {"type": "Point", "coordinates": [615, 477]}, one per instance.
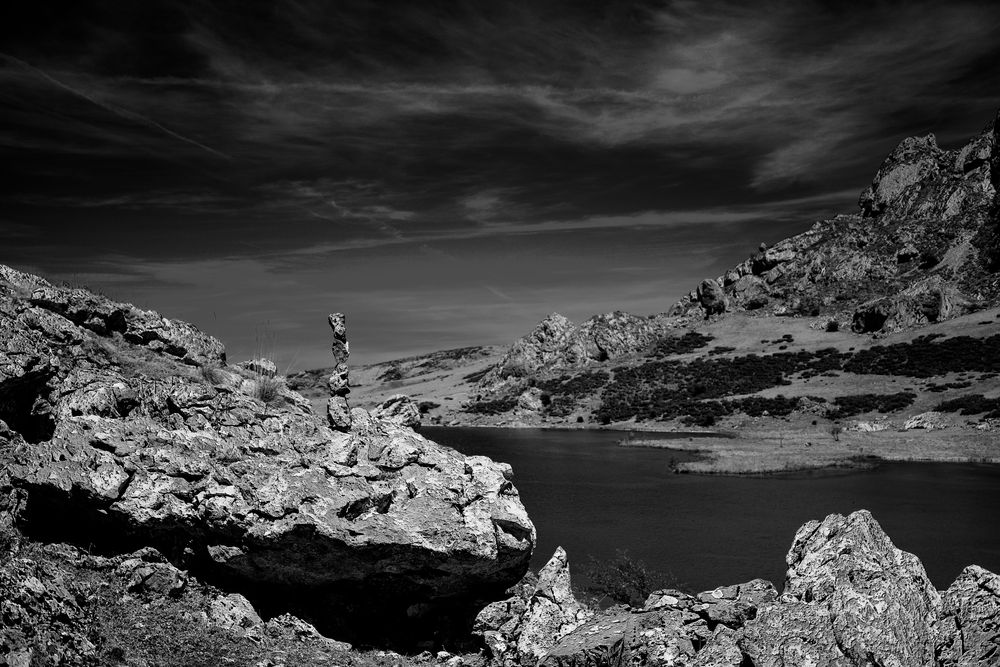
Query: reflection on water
{"type": "Point", "coordinates": [592, 497]}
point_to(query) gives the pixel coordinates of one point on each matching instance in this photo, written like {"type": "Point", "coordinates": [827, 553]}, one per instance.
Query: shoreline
{"type": "Point", "coordinates": [770, 450]}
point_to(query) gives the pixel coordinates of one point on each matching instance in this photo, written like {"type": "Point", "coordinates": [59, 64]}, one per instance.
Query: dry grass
{"type": "Point", "coordinates": [774, 450]}
{"type": "Point", "coordinates": [266, 389]}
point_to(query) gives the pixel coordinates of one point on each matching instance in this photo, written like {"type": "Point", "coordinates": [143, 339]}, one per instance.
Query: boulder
{"type": "Point", "coordinates": [712, 297]}
{"type": "Point", "coordinates": [399, 409]}
{"type": "Point", "coordinates": [375, 523]}
{"type": "Point", "coordinates": [881, 606]}
{"type": "Point", "coordinates": [522, 629]}
{"type": "Point", "coordinates": [971, 620]}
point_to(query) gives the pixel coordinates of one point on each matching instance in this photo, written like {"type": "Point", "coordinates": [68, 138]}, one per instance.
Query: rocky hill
{"type": "Point", "coordinates": [920, 256]}
{"type": "Point", "coordinates": [162, 507]}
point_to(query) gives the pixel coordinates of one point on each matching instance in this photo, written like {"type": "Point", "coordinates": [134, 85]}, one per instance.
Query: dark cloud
{"type": "Point", "coordinates": [152, 143]}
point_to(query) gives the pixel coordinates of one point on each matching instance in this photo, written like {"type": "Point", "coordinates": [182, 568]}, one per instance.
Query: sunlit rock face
{"type": "Point", "coordinates": [125, 429]}
{"type": "Point", "coordinates": [915, 253]}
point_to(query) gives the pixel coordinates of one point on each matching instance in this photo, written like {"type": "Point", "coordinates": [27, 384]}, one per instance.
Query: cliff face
{"type": "Point", "coordinates": [121, 429]}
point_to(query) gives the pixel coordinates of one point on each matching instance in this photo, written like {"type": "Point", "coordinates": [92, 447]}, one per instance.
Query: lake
{"type": "Point", "coordinates": [592, 497]}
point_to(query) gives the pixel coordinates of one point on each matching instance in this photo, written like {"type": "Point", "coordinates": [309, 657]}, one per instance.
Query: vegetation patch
{"type": "Point", "coordinates": [972, 404]}
{"type": "Point", "coordinates": [848, 406]}
{"type": "Point", "coordinates": [673, 345]}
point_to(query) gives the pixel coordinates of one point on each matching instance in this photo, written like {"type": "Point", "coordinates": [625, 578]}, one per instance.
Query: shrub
{"type": "Point", "coordinates": [266, 389]}
{"type": "Point", "coordinates": [624, 580]}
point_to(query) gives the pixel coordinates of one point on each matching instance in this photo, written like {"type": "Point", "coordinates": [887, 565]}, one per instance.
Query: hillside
{"type": "Point", "coordinates": [810, 332]}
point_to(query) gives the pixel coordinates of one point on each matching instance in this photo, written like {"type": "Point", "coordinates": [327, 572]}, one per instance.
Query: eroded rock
{"type": "Point", "coordinates": [256, 492]}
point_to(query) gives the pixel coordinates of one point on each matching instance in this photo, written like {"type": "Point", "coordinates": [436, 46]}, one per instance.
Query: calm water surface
{"type": "Point", "coordinates": [592, 497]}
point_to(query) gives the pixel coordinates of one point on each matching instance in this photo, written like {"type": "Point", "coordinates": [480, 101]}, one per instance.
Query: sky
{"type": "Point", "coordinates": [448, 173]}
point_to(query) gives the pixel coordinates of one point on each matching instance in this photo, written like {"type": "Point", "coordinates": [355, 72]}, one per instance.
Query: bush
{"type": "Point", "coordinates": [624, 580]}
{"type": "Point", "coordinates": [267, 390]}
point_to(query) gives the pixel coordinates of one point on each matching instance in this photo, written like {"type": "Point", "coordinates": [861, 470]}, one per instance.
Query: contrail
{"type": "Point", "coordinates": [111, 108]}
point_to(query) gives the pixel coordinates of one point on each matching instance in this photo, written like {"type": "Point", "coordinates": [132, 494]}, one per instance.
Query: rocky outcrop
{"type": "Point", "coordinates": [882, 606]}
{"type": "Point", "coordinates": [122, 444]}
{"type": "Point", "coordinates": [851, 599]}
{"type": "Point", "coordinates": [399, 409]}
{"type": "Point", "coordinates": [524, 627]}
{"type": "Point", "coordinates": [928, 421]}
{"type": "Point", "coordinates": [557, 344]}
{"type": "Point", "coordinates": [910, 257]}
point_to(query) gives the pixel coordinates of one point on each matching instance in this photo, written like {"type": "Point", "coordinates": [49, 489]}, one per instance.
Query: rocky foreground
{"type": "Point", "coordinates": [850, 599]}
{"type": "Point", "coordinates": [159, 506]}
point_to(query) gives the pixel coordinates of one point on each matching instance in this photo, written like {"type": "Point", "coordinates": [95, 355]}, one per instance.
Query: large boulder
{"type": "Point", "coordinates": [883, 607]}
{"type": "Point", "coordinates": [122, 444]}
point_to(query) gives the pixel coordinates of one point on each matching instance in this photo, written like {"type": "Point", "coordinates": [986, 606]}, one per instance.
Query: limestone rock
{"type": "Point", "coordinates": [927, 421]}
{"type": "Point", "coordinates": [882, 605]}
{"type": "Point", "coordinates": [338, 414]}
{"type": "Point", "coordinates": [556, 343]}
{"type": "Point", "coordinates": [339, 381]}
{"type": "Point", "coordinates": [712, 297]}
{"type": "Point", "coordinates": [399, 409]}
{"type": "Point", "coordinates": [720, 651]}
{"type": "Point", "coordinates": [233, 612]}
{"type": "Point", "coordinates": [523, 628]}
{"type": "Point", "coordinates": [262, 494]}
{"type": "Point", "coordinates": [795, 633]}
{"type": "Point", "coordinates": [971, 620]}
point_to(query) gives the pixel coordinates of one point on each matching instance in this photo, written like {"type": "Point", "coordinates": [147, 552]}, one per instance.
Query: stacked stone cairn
{"type": "Point", "coordinates": [337, 410]}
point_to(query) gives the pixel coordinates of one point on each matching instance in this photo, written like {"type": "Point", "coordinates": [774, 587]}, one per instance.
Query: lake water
{"type": "Point", "coordinates": [592, 497]}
